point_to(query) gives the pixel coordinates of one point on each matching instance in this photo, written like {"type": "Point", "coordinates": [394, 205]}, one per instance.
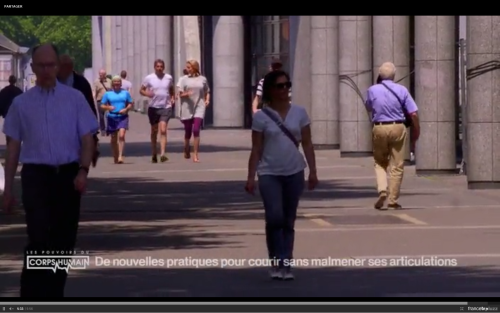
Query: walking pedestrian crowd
{"type": "Point", "coordinates": [57, 155]}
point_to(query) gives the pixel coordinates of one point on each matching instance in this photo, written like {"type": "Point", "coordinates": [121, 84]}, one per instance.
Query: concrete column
{"type": "Point", "coordinates": [119, 44]}
{"type": "Point", "coordinates": [391, 43]}
{"type": "Point", "coordinates": [300, 59]}
{"type": "Point", "coordinates": [178, 56]}
{"type": "Point", "coordinates": [97, 53]}
{"type": "Point", "coordinates": [355, 62]}
{"type": "Point", "coordinates": [164, 40]}
{"type": "Point", "coordinates": [135, 74]}
{"type": "Point", "coordinates": [191, 31]}
{"type": "Point", "coordinates": [146, 63]}
{"type": "Point", "coordinates": [435, 94]}
{"type": "Point", "coordinates": [325, 81]}
{"type": "Point", "coordinates": [130, 51]}
{"type": "Point", "coordinates": [114, 34]}
{"type": "Point", "coordinates": [125, 44]}
{"type": "Point", "coordinates": [228, 61]}
{"type": "Point", "coordinates": [108, 55]}
{"type": "Point", "coordinates": [483, 109]}
{"type": "Point", "coordinates": [151, 48]}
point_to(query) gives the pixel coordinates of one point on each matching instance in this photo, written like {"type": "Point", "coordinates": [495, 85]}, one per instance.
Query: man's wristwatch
{"type": "Point", "coordinates": [84, 168]}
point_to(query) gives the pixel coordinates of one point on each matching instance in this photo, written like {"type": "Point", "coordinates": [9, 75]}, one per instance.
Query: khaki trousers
{"type": "Point", "coordinates": [388, 149]}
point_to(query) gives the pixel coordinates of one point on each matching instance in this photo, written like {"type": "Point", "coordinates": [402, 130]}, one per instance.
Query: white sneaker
{"type": "Point", "coordinates": [287, 274]}
{"type": "Point", "coordinates": [275, 273]}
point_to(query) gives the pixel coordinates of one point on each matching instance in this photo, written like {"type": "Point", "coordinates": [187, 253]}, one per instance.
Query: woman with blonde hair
{"type": "Point", "coordinates": [194, 93]}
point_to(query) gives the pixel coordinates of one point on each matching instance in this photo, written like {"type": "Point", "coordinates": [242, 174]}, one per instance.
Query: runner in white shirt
{"type": "Point", "coordinates": [159, 88]}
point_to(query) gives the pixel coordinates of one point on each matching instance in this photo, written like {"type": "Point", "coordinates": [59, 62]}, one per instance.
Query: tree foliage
{"type": "Point", "coordinates": [71, 34]}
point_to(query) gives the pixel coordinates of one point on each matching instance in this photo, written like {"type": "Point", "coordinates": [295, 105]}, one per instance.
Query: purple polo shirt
{"type": "Point", "coordinates": [384, 106]}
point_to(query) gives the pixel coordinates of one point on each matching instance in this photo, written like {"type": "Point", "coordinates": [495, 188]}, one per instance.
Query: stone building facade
{"type": "Point", "coordinates": [332, 61]}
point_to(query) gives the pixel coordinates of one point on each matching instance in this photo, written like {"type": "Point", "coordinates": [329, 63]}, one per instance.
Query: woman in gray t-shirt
{"type": "Point", "coordinates": [194, 93]}
{"type": "Point", "coordinates": [277, 131]}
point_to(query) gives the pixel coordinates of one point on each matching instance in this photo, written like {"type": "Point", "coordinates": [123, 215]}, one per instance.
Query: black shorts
{"type": "Point", "coordinates": [157, 115]}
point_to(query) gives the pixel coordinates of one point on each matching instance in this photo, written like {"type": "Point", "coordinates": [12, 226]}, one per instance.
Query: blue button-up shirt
{"type": "Point", "coordinates": [50, 124]}
{"type": "Point", "coordinates": [384, 106]}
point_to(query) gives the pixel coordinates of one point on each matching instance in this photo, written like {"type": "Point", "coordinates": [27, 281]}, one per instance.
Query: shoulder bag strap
{"type": "Point", "coordinates": [281, 126]}
{"type": "Point", "coordinates": [105, 88]}
{"type": "Point", "coordinates": [395, 95]}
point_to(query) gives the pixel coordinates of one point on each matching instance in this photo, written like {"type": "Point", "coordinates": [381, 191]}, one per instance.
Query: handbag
{"type": "Point", "coordinates": [281, 126]}
{"type": "Point", "coordinates": [408, 120]}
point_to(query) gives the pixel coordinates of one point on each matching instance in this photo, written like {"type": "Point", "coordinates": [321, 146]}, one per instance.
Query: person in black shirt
{"type": "Point", "coordinates": [68, 76]}
{"type": "Point", "coordinates": [8, 94]}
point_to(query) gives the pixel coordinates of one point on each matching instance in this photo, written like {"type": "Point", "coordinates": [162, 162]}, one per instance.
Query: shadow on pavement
{"type": "Point", "coordinates": [153, 195]}
{"type": "Point", "coordinates": [172, 212]}
{"type": "Point", "coordinates": [119, 238]}
{"type": "Point", "coordinates": [253, 282]}
{"type": "Point", "coordinates": [139, 149]}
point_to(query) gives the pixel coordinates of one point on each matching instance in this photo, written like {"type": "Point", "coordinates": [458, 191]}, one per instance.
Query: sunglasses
{"type": "Point", "coordinates": [286, 85]}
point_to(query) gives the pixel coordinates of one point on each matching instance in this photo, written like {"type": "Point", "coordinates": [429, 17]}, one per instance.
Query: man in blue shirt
{"type": "Point", "coordinates": [50, 129]}
{"type": "Point", "coordinates": [117, 103]}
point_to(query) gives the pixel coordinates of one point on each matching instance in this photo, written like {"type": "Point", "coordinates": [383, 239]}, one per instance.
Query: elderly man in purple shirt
{"type": "Point", "coordinates": [390, 104]}
{"type": "Point", "coordinates": [55, 126]}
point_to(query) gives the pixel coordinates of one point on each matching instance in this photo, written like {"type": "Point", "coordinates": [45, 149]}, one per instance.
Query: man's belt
{"type": "Point", "coordinates": [388, 123]}
{"type": "Point", "coordinates": [52, 168]}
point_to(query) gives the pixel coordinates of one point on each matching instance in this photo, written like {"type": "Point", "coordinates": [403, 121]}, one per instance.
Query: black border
{"type": "Point", "coordinates": [243, 300]}
{"type": "Point", "coordinates": [138, 8]}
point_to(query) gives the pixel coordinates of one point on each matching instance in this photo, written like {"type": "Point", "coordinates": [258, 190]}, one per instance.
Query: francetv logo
{"type": "Point", "coordinates": [57, 262]}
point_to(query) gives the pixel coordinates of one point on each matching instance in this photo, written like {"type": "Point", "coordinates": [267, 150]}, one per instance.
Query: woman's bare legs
{"type": "Point", "coordinates": [196, 147]}
{"type": "Point", "coordinates": [121, 144]}
{"type": "Point", "coordinates": [197, 122]}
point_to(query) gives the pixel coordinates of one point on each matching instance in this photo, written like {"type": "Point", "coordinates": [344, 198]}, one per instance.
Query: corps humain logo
{"type": "Point", "coordinates": [57, 262]}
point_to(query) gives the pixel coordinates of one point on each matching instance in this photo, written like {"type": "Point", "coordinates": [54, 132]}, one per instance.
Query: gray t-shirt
{"type": "Point", "coordinates": [160, 89]}
{"type": "Point", "coordinates": [194, 105]}
{"type": "Point", "coordinates": [280, 156]}
{"type": "Point", "coordinates": [126, 85]}
{"type": "Point", "coordinates": [179, 81]}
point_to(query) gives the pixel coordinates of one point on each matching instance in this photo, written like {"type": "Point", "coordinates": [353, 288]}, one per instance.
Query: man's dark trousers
{"type": "Point", "coordinates": [52, 207]}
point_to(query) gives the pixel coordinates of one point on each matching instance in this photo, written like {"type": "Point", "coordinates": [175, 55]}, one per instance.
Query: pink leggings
{"type": "Point", "coordinates": [192, 127]}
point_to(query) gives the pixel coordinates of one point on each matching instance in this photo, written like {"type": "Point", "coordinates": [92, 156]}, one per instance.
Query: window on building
{"type": "Point", "coordinates": [270, 39]}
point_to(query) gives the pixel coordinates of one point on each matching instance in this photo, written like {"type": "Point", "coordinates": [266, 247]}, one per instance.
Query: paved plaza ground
{"type": "Point", "coordinates": [184, 210]}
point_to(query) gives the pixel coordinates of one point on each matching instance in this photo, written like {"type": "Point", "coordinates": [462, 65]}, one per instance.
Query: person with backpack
{"type": "Point", "coordinates": [277, 132]}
